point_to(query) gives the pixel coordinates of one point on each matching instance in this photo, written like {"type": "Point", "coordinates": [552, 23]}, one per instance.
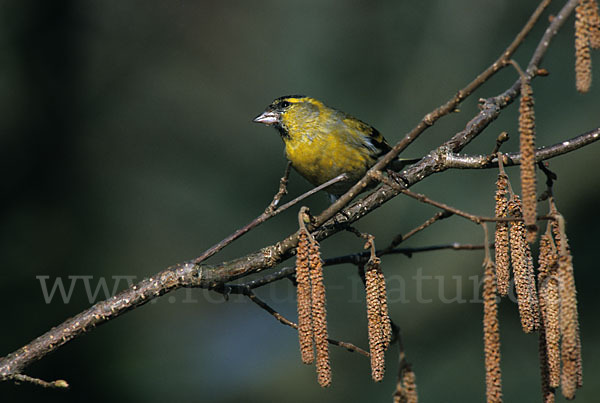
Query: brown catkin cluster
{"type": "Point", "coordinates": [386, 322]}
{"type": "Point", "coordinates": [549, 338]}
{"type": "Point", "coordinates": [570, 349]}
{"type": "Point", "coordinates": [319, 316]}
{"type": "Point", "coordinates": [406, 388]}
{"type": "Point", "coordinates": [527, 149]}
{"type": "Point", "coordinates": [561, 356]}
{"type": "Point", "coordinates": [410, 386]}
{"type": "Point", "coordinates": [579, 360]}
{"type": "Point", "coordinates": [379, 324]}
{"type": "Point", "coordinates": [501, 236]}
{"type": "Point", "coordinates": [522, 264]}
{"type": "Point", "coordinates": [569, 319]}
{"type": "Point", "coordinates": [552, 332]}
{"type": "Point", "coordinates": [548, 393]}
{"type": "Point", "coordinates": [583, 61]}
{"type": "Point", "coordinates": [571, 376]}
{"type": "Point", "coordinates": [305, 331]}
{"type": "Point", "coordinates": [312, 314]}
{"type": "Point", "coordinates": [593, 20]}
{"type": "Point", "coordinates": [491, 336]}
{"type": "Point", "coordinates": [549, 308]}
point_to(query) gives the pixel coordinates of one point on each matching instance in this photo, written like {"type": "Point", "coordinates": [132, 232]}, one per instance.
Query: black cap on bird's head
{"type": "Point", "coordinates": [272, 115]}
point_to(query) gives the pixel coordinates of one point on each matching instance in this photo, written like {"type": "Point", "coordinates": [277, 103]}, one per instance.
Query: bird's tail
{"type": "Point", "coordinates": [400, 163]}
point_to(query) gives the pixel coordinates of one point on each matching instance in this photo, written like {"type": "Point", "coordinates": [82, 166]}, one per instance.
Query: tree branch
{"type": "Point", "coordinates": [181, 275]}
{"type": "Point", "coordinates": [355, 258]}
{"type": "Point", "coordinates": [541, 154]}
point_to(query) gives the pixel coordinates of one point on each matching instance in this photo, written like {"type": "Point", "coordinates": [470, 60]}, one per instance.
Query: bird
{"type": "Point", "coordinates": [322, 142]}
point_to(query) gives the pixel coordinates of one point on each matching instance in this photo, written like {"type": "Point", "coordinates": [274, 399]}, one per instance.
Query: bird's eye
{"type": "Point", "coordinates": [284, 104]}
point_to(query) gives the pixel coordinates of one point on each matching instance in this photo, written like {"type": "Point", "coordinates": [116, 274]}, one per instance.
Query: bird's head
{"type": "Point", "coordinates": [292, 114]}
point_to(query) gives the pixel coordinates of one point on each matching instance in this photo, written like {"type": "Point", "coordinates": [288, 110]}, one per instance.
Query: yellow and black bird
{"type": "Point", "coordinates": [322, 142]}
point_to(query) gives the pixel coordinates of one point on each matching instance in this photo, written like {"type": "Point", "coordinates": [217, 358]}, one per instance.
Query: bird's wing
{"type": "Point", "coordinates": [376, 143]}
{"type": "Point", "coordinates": [368, 136]}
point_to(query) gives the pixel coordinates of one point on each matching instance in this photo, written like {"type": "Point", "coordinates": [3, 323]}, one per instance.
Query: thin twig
{"type": "Point", "coordinates": [550, 178]}
{"type": "Point", "coordinates": [269, 213]}
{"type": "Point", "coordinates": [282, 189]}
{"type": "Point", "coordinates": [453, 246]}
{"type": "Point", "coordinates": [424, 199]}
{"type": "Point", "coordinates": [486, 245]}
{"type": "Point", "coordinates": [285, 272]}
{"type": "Point", "coordinates": [59, 383]}
{"type": "Point", "coordinates": [254, 298]}
{"type": "Point", "coordinates": [403, 392]}
{"type": "Point", "coordinates": [366, 236]}
{"type": "Point", "coordinates": [501, 139]}
{"type": "Point", "coordinates": [398, 239]}
{"type": "Point", "coordinates": [520, 71]}
{"type": "Point", "coordinates": [362, 257]}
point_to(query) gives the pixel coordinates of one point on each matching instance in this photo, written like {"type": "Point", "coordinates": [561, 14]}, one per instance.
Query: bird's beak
{"type": "Point", "coordinates": [267, 118]}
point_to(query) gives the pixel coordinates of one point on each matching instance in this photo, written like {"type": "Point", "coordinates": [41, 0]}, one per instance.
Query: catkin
{"type": "Point", "coordinates": [406, 387]}
{"type": "Point", "coordinates": [410, 386]}
{"type": "Point", "coordinates": [548, 393]}
{"type": "Point", "coordinates": [375, 324]}
{"type": "Point", "coordinates": [319, 315]}
{"type": "Point", "coordinates": [501, 236]}
{"type": "Point", "coordinates": [583, 61]}
{"type": "Point", "coordinates": [305, 329]}
{"type": "Point", "coordinates": [522, 265]}
{"type": "Point", "coordinates": [386, 322]}
{"type": "Point", "coordinates": [553, 331]}
{"type": "Point", "coordinates": [550, 307]}
{"type": "Point", "coordinates": [571, 345]}
{"type": "Point", "coordinates": [593, 21]}
{"type": "Point", "coordinates": [399, 393]}
{"type": "Point", "coordinates": [527, 149]}
{"type": "Point", "coordinates": [571, 375]}
{"type": "Point", "coordinates": [491, 337]}
{"type": "Point", "coordinates": [579, 363]}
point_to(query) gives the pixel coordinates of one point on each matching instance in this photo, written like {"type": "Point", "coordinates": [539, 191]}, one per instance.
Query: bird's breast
{"type": "Point", "coordinates": [320, 158]}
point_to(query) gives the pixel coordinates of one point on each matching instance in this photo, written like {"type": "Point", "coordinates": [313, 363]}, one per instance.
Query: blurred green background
{"type": "Point", "coordinates": [127, 145]}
